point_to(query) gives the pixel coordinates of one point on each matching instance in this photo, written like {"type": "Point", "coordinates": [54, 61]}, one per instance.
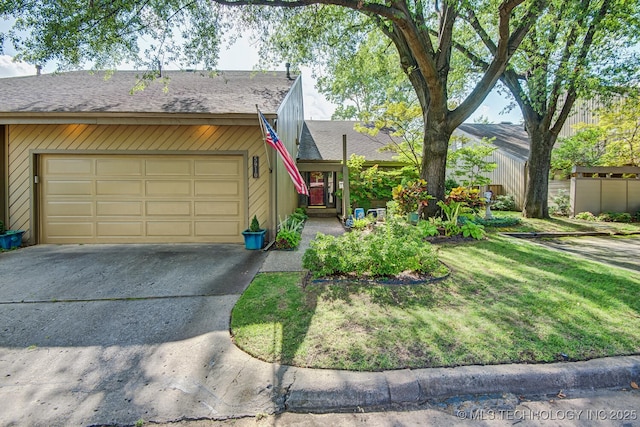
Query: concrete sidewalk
{"type": "Point", "coordinates": [292, 260]}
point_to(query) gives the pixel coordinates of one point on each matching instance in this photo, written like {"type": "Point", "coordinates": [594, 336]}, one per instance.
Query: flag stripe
{"type": "Point", "coordinates": [289, 164]}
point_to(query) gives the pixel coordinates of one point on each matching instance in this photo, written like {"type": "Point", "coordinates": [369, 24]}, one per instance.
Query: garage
{"type": "Point", "coordinates": [141, 198]}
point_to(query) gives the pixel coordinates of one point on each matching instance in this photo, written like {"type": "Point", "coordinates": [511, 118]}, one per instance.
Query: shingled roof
{"type": "Point", "coordinates": [226, 93]}
{"type": "Point", "coordinates": [322, 140]}
{"type": "Point", "coordinates": [510, 138]}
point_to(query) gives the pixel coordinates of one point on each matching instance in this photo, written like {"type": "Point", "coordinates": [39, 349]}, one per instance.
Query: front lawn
{"type": "Point", "coordinates": [506, 300]}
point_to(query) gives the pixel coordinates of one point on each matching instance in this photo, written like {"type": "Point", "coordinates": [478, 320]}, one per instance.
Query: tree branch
{"type": "Point", "coordinates": [580, 63]}
{"type": "Point", "coordinates": [497, 65]}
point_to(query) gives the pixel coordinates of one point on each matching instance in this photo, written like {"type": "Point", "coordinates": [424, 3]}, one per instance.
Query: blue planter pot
{"type": "Point", "coordinates": [254, 240]}
{"type": "Point", "coordinates": [11, 239]}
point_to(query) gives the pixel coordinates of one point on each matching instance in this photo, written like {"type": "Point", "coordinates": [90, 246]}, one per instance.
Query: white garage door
{"type": "Point", "coordinates": [141, 198]}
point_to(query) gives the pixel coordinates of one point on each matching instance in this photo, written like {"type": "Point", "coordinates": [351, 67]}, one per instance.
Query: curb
{"type": "Point", "coordinates": [534, 235]}
{"type": "Point", "coordinates": [335, 391]}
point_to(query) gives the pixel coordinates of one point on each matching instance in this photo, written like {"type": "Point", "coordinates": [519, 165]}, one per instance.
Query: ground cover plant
{"type": "Point", "coordinates": [506, 300]}
{"type": "Point", "coordinates": [389, 250]}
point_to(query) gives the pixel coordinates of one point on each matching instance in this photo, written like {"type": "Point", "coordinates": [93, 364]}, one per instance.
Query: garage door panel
{"type": "Point", "coordinates": [217, 188]}
{"type": "Point", "coordinates": [164, 167]}
{"type": "Point", "coordinates": [169, 228]}
{"type": "Point", "coordinates": [70, 229]}
{"type": "Point", "coordinates": [115, 167]}
{"type": "Point", "coordinates": [120, 229]}
{"type": "Point", "coordinates": [117, 208]}
{"type": "Point", "coordinates": [70, 209]}
{"type": "Point", "coordinates": [69, 188]}
{"type": "Point", "coordinates": [222, 167]}
{"type": "Point", "coordinates": [168, 188]}
{"type": "Point", "coordinates": [224, 208]}
{"type": "Point", "coordinates": [169, 208]}
{"type": "Point", "coordinates": [118, 188]}
{"type": "Point", "coordinates": [68, 166]}
{"type": "Point", "coordinates": [218, 228]}
{"type": "Point", "coordinates": [137, 198]}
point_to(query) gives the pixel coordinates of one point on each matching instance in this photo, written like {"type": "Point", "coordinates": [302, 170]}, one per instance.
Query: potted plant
{"type": "Point", "coordinates": [10, 239]}
{"type": "Point", "coordinates": [254, 235]}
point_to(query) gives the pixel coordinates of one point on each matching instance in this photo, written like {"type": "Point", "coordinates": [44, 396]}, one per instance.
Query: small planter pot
{"type": "Point", "coordinates": [254, 240]}
{"type": "Point", "coordinates": [413, 218]}
{"type": "Point", "coordinates": [11, 239]}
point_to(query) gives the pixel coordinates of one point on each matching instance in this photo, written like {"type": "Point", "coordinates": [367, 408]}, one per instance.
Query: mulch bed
{"type": "Point", "coordinates": [405, 278]}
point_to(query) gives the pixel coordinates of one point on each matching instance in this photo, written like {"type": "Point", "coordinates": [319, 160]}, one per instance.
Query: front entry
{"type": "Point", "coordinates": [322, 189]}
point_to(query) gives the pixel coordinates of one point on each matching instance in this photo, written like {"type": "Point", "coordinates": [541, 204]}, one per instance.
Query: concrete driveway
{"type": "Point", "coordinates": [612, 250]}
{"type": "Point", "coordinates": [110, 334]}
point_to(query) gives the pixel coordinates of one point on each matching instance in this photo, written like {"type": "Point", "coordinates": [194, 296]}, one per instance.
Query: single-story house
{"type": "Point", "coordinates": [511, 156]}
{"type": "Point", "coordinates": [84, 159]}
{"type": "Point", "coordinates": [321, 154]}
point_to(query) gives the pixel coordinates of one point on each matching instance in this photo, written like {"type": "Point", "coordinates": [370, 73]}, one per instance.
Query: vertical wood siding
{"type": "Point", "coordinates": [124, 138]}
{"type": "Point", "coordinates": [290, 120]}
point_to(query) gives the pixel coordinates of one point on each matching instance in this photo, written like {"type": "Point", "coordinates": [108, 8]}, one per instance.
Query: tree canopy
{"type": "Point", "coordinates": [423, 33]}
{"type": "Point", "coordinates": [613, 141]}
{"type": "Point", "coordinates": [575, 49]}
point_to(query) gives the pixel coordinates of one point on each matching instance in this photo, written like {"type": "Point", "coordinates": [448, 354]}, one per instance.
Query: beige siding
{"type": "Point", "coordinates": [27, 140]}
{"type": "Point", "coordinates": [290, 121]}
{"type": "Point", "coordinates": [510, 174]}
{"type": "Point", "coordinates": [585, 111]}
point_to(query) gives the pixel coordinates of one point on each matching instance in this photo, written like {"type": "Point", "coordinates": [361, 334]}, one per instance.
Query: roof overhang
{"type": "Point", "coordinates": [99, 118]}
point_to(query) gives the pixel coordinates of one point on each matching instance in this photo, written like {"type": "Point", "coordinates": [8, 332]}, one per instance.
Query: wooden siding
{"type": "Point", "coordinates": [510, 174]}
{"type": "Point", "coordinates": [25, 140]}
{"type": "Point", "coordinates": [289, 128]}
{"type": "Point", "coordinates": [3, 177]}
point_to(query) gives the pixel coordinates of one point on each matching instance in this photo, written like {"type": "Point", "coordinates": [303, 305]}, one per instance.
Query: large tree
{"type": "Point", "coordinates": [576, 49]}
{"type": "Point", "coordinates": [424, 33]}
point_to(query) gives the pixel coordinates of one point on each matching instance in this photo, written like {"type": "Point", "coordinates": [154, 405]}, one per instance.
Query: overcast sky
{"type": "Point", "coordinates": [243, 56]}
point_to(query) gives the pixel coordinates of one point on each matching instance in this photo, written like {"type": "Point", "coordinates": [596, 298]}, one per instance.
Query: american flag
{"type": "Point", "coordinates": [273, 140]}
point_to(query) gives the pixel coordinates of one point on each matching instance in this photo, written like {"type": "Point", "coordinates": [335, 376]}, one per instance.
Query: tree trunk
{"type": "Point", "coordinates": [541, 142]}
{"type": "Point", "coordinates": [434, 156]}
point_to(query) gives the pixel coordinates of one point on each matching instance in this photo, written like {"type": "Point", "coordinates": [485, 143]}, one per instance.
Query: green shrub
{"type": "Point", "coordinates": [614, 217]}
{"type": "Point", "coordinates": [586, 216]}
{"type": "Point", "coordinates": [255, 225]}
{"type": "Point", "coordinates": [412, 197]}
{"type": "Point", "coordinates": [450, 184]}
{"type": "Point", "coordinates": [389, 250]}
{"type": "Point", "coordinates": [504, 203]}
{"type": "Point", "coordinates": [562, 204]}
{"type": "Point", "coordinates": [471, 229]}
{"type": "Point", "coordinates": [362, 223]}
{"type": "Point", "coordinates": [289, 233]}
{"type": "Point", "coordinates": [287, 239]}
{"type": "Point", "coordinates": [427, 228]}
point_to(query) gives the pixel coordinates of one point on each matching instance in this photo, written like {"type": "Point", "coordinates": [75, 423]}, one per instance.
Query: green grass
{"type": "Point", "coordinates": [507, 300]}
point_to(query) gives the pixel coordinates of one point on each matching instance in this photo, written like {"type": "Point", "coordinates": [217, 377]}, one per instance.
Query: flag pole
{"type": "Point", "coordinates": [264, 140]}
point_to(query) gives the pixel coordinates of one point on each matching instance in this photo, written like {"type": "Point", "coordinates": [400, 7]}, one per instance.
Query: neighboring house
{"type": "Point", "coordinates": [321, 154]}
{"type": "Point", "coordinates": [511, 156]}
{"type": "Point", "coordinates": [85, 161]}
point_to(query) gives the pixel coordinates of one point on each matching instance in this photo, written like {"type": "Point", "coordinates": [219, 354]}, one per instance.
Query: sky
{"type": "Point", "coordinates": [242, 55]}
